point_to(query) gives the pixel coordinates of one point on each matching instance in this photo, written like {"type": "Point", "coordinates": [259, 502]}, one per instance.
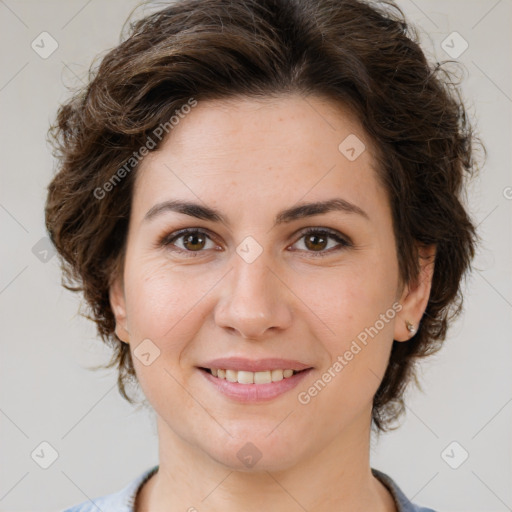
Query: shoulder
{"type": "Point", "coordinates": [402, 502]}
{"type": "Point", "coordinates": [104, 503]}
{"type": "Point", "coordinates": [120, 501]}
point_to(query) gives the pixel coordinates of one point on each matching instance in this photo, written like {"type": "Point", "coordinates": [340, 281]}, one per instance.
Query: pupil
{"type": "Point", "coordinates": [189, 240]}
{"type": "Point", "coordinates": [316, 237]}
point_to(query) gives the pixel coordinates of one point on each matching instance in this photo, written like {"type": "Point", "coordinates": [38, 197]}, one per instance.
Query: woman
{"type": "Point", "coordinates": [260, 201]}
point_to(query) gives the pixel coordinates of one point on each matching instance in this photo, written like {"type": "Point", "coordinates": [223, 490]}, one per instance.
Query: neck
{"type": "Point", "coordinates": [337, 479]}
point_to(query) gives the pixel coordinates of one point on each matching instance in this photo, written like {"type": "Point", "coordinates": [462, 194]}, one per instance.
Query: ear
{"type": "Point", "coordinates": [118, 305]}
{"type": "Point", "coordinates": [415, 295]}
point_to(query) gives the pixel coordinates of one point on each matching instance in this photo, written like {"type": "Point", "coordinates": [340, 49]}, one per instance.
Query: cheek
{"type": "Point", "coordinates": [358, 305]}
{"type": "Point", "coordinates": [166, 304]}
{"type": "Point", "coordinates": [159, 296]}
{"type": "Point", "coordinates": [162, 308]}
{"type": "Point", "coordinates": [350, 298]}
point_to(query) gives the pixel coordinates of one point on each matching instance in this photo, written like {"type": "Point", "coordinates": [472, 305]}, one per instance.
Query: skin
{"type": "Point", "coordinates": [250, 159]}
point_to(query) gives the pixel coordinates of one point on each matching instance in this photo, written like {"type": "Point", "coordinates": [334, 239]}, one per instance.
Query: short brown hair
{"type": "Point", "coordinates": [362, 56]}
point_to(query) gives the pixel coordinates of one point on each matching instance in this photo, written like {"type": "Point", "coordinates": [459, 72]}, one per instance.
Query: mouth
{"type": "Point", "coordinates": [252, 381]}
{"type": "Point", "coordinates": [248, 377]}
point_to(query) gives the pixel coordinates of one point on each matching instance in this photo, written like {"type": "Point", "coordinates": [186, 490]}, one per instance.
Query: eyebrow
{"type": "Point", "coordinates": [300, 211]}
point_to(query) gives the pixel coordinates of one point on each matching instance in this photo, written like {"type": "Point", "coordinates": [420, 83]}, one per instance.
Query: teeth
{"type": "Point", "coordinates": [244, 377]}
{"type": "Point", "coordinates": [277, 375]}
{"type": "Point", "coordinates": [231, 375]}
{"type": "Point", "coordinates": [263, 377]}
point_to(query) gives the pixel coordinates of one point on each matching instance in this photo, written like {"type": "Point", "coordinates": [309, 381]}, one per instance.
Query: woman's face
{"type": "Point", "coordinates": [252, 286]}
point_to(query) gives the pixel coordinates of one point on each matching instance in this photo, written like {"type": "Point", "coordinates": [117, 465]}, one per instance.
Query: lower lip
{"type": "Point", "coordinates": [252, 393]}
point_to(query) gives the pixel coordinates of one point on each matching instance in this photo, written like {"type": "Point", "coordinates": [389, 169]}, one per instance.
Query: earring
{"type": "Point", "coordinates": [410, 327]}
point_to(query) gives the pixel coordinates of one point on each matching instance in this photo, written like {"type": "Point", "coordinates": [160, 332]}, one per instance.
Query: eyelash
{"type": "Point", "coordinates": [168, 240]}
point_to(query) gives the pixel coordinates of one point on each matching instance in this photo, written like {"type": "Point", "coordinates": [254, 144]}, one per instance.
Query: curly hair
{"type": "Point", "coordinates": [365, 57]}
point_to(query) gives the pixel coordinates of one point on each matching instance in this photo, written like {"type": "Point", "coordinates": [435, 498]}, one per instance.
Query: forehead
{"type": "Point", "coordinates": [287, 122]}
{"type": "Point", "coordinates": [261, 151]}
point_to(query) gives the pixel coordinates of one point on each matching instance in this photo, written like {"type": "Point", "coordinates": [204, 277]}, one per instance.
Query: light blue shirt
{"type": "Point", "coordinates": [124, 500]}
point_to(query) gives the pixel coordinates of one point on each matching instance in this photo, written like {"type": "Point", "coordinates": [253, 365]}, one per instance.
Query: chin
{"type": "Point", "coordinates": [251, 450]}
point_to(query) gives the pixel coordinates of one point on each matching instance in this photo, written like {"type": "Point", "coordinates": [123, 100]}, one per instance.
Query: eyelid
{"type": "Point", "coordinates": [328, 231]}
{"type": "Point", "coordinates": [168, 238]}
{"type": "Point", "coordinates": [342, 240]}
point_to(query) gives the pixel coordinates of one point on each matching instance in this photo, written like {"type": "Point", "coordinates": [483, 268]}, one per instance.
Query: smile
{"type": "Point", "coordinates": [246, 377]}
{"type": "Point", "coordinates": [253, 387]}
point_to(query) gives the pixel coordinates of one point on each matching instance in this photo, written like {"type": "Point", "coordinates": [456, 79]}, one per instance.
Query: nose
{"type": "Point", "coordinates": [254, 300]}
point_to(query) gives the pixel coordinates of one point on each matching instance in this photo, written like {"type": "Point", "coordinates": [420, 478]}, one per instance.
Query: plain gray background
{"type": "Point", "coordinates": [48, 395]}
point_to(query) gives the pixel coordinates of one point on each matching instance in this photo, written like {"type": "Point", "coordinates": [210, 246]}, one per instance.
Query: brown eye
{"type": "Point", "coordinates": [194, 241]}
{"type": "Point", "coordinates": [315, 242]}
{"type": "Point", "coordinates": [319, 242]}
{"type": "Point", "coordinates": [188, 241]}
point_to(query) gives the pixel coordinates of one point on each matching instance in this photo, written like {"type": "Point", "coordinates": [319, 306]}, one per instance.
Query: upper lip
{"type": "Point", "coordinates": [254, 365]}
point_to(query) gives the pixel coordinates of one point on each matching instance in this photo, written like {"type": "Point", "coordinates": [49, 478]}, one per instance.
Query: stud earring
{"type": "Point", "coordinates": [410, 327]}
